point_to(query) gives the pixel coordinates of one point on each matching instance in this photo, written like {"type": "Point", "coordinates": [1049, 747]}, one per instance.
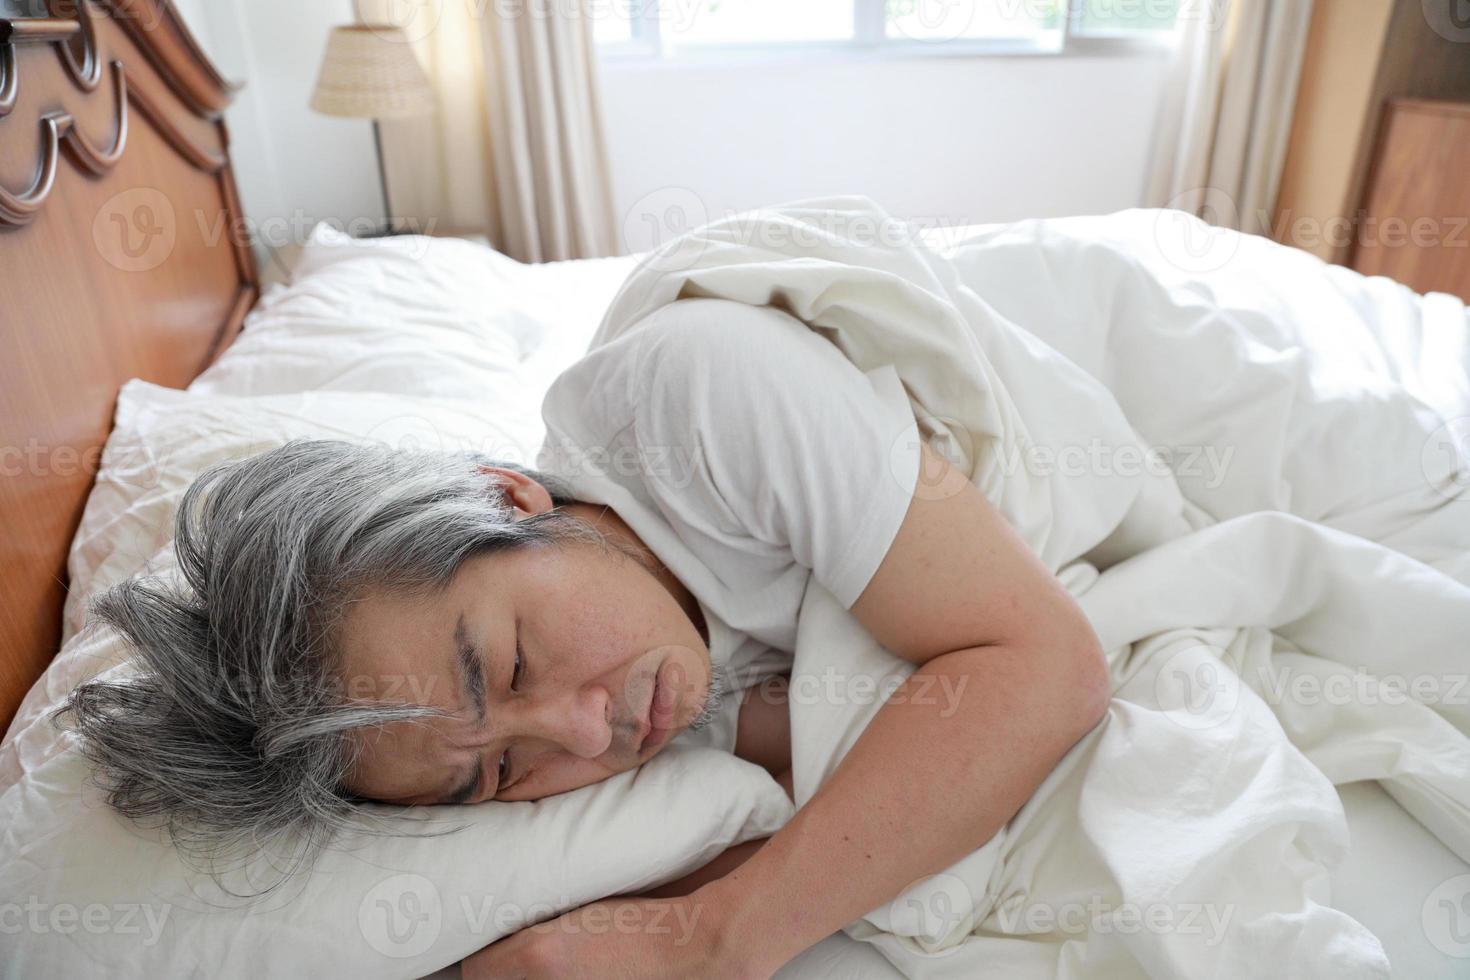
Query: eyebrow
{"type": "Point", "coordinates": [471, 671]}
{"type": "Point", "coordinates": [466, 789]}
{"type": "Point", "coordinates": [472, 688]}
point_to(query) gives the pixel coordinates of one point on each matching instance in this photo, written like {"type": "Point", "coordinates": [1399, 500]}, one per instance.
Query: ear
{"type": "Point", "coordinates": [526, 495]}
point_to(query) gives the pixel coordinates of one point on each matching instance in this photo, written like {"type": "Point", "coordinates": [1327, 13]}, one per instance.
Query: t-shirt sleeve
{"type": "Point", "coordinates": [772, 442]}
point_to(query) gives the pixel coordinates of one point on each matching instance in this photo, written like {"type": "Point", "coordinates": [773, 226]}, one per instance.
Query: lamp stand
{"type": "Point", "coordinates": [383, 177]}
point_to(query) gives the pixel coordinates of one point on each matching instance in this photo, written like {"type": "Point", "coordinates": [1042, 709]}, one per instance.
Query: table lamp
{"type": "Point", "coordinates": [371, 72]}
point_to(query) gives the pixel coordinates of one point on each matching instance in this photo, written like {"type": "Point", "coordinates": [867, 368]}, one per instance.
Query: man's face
{"type": "Point", "coordinates": [563, 664]}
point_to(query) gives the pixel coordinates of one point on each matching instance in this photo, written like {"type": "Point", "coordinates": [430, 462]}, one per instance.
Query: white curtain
{"type": "Point", "coordinates": [517, 149]}
{"type": "Point", "coordinates": [1225, 119]}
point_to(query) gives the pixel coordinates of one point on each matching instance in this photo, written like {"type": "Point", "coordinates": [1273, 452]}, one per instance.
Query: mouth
{"type": "Point", "coordinates": [662, 709]}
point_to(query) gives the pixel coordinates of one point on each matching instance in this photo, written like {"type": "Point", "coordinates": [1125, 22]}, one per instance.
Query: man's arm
{"type": "Point", "coordinates": [961, 595]}
{"type": "Point", "coordinates": [729, 859]}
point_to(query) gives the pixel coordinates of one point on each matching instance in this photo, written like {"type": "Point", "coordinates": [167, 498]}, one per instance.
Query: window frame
{"type": "Point", "coordinates": [870, 42]}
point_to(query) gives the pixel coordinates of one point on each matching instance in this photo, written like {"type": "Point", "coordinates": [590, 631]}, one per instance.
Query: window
{"type": "Point", "coordinates": [611, 27]}
{"type": "Point", "coordinates": [1110, 18]}
{"type": "Point", "coordinates": [945, 20]}
{"type": "Point", "coordinates": [760, 21]}
{"type": "Point", "coordinates": [653, 28]}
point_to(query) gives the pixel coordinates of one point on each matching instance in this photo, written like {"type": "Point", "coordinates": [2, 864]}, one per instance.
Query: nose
{"type": "Point", "coordinates": [577, 721]}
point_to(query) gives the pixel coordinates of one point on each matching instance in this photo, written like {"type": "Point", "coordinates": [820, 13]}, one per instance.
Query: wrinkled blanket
{"type": "Point", "coordinates": [1250, 468]}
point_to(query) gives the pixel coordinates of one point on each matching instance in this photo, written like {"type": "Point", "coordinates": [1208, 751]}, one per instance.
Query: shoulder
{"type": "Point", "coordinates": [700, 349]}
{"type": "Point", "coordinates": [722, 330]}
{"type": "Point", "coordinates": [693, 349]}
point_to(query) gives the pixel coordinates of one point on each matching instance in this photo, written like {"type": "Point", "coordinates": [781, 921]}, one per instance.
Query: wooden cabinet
{"type": "Point", "coordinates": [1414, 225]}
{"type": "Point", "coordinates": [1379, 134]}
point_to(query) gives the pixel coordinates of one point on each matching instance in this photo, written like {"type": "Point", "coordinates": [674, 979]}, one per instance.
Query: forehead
{"type": "Point", "coordinates": [383, 624]}
{"type": "Point", "coordinates": [380, 625]}
{"type": "Point", "coordinates": [402, 646]}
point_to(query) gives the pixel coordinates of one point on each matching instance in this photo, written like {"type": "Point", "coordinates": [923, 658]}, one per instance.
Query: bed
{"type": "Point", "coordinates": [122, 257]}
{"type": "Point", "coordinates": [1389, 874]}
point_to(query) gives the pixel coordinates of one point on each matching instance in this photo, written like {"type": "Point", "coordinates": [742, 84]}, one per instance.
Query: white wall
{"type": "Point", "coordinates": [294, 166]}
{"type": "Point", "coordinates": [948, 139]}
{"type": "Point", "coordinates": [956, 140]}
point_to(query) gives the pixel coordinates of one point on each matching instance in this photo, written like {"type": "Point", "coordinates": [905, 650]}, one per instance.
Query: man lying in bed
{"type": "Point", "coordinates": [434, 628]}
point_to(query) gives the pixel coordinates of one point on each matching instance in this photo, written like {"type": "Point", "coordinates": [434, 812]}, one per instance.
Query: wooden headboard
{"type": "Point", "coordinates": [123, 254]}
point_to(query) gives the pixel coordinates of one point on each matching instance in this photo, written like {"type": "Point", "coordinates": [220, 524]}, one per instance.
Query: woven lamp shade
{"type": "Point", "coordinates": [370, 72]}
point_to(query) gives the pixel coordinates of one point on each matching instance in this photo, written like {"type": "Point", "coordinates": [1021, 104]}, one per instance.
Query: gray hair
{"type": "Point", "coordinates": [233, 729]}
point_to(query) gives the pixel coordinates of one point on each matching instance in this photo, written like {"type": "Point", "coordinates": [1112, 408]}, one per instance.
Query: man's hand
{"type": "Point", "coordinates": [615, 939]}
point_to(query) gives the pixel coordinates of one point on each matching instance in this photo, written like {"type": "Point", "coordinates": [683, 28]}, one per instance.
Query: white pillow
{"type": "Point", "coordinates": [436, 317]}
{"type": "Point", "coordinates": [373, 906]}
{"type": "Point", "coordinates": [163, 437]}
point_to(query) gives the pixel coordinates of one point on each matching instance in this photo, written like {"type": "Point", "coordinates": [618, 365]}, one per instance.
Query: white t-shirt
{"type": "Point", "coordinates": [749, 455]}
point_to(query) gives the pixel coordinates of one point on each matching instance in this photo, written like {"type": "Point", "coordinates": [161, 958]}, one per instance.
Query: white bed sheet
{"type": "Point", "coordinates": [1386, 880]}
{"type": "Point", "coordinates": [1392, 868]}
{"type": "Point", "coordinates": [1389, 872]}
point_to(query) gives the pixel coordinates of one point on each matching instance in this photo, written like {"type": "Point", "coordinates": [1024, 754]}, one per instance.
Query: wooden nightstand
{"type": "Point", "coordinates": [1413, 225]}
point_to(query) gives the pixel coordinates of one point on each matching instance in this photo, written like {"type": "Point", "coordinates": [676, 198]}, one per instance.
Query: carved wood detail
{"type": "Point", "coordinates": [84, 304]}
{"type": "Point", "coordinates": [59, 130]}
{"type": "Point", "coordinates": [79, 51]}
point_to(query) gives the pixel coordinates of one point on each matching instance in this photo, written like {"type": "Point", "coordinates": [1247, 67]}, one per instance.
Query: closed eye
{"type": "Point", "coordinates": [502, 780]}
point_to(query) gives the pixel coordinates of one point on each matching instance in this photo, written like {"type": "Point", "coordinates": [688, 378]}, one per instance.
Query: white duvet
{"type": "Point", "coordinates": [1251, 469]}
